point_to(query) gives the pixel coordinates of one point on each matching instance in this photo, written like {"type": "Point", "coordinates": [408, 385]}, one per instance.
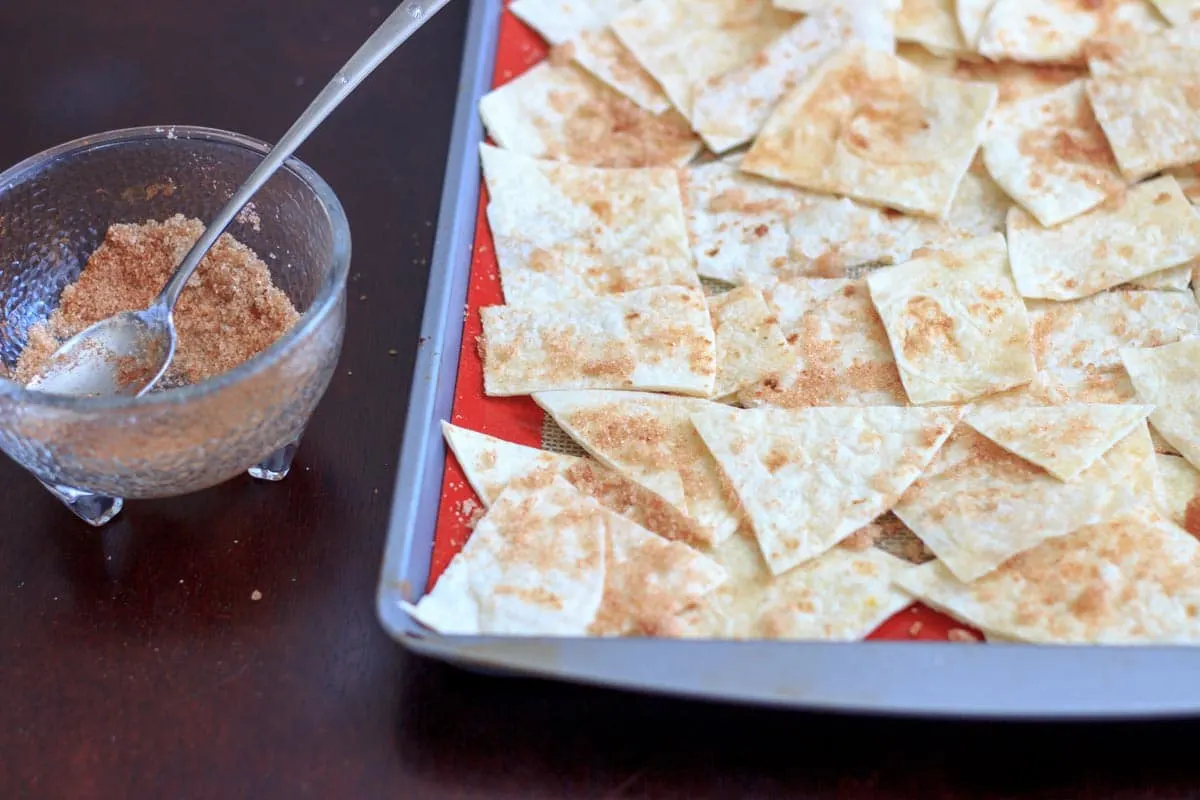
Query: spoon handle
{"type": "Point", "coordinates": [395, 30]}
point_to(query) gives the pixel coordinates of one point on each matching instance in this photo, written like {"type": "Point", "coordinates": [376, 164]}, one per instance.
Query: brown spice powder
{"type": "Point", "coordinates": [229, 312]}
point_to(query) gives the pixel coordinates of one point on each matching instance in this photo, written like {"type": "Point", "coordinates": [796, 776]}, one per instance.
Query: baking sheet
{"type": "Point", "coordinates": [433, 506]}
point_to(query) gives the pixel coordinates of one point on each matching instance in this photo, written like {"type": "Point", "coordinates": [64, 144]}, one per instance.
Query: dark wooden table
{"type": "Point", "coordinates": [134, 663]}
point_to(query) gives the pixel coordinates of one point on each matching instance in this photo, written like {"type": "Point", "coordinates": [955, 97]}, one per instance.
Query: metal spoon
{"type": "Point", "coordinates": [127, 354]}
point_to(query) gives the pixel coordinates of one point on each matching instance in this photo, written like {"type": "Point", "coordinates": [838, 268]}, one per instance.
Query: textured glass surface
{"type": "Point", "coordinates": [54, 211]}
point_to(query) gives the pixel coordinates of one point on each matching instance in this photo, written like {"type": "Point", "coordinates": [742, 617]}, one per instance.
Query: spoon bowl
{"type": "Point", "coordinates": [126, 355]}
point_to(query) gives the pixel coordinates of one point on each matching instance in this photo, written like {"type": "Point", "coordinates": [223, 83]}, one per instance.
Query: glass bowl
{"type": "Point", "coordinates": [54, 210]}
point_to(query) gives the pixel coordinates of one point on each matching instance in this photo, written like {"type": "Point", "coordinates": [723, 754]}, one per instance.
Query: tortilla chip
{"type": "Point", "coordinates": [649, 439]}
{"type": "Point", "coordinates": [491, 465]}
{"type": "Point", "coordinates": [1132, 580]}
{"type": "Point", "coordinates": [1150, 227]}
{"type": "Point", "coordinates": [874, 127]}
{"type": "Point", "coordinates": [750, 344]}
{"type": "Point", "coordinates": [563, 231]}
{"type": "Point", "coordinates": [746, 229]}
{"type": "Point", "coordinates": [1060, 31]}
{"type": "Point", "coordinates": [1064, 440]}
{"type": "Point", "coordinates": [1090, 333]}
{"type": "Point", "coordinates": [1144, 92]}
{"type": "Point", "coordinates": [1175, 279]}
{"type": "Point", "coordinates": [918, 56]}
{"type": "Point", "coordinates": [841, 595]}
{"type": "Point", "coordinates": [534, 566]}
{"type": "Point", "coordinates": [841, 355]}
{"type": "Point", "coordinates": [559, 112]}
{"type": "Point", "coordinates": [970, 14]}
{"type": "Point", "coordinates": [1064, 386]}
{"type": "Point", "coordinates": [1169, 378]}
{"type": "Point", "coordinates": [1189, 181]}
{"type": "Point", "coordinates": [730, 108]}
{"type": "Point", "coordinates": [601, 53]}
{"type": "Point", "coordinates": [558, 21]}
{"type": "Point", "coordinates": [808, 479]}
{"type": "Point", "coordinates": [979, 505]}
{"type": "Point", "coordinates": [1178, 12]}
{"type": "Point", "coordinates": [931, 24]}
{"type": "Point", "coordinates": [1051, 156]}
{"type": "Point", "coordinates": [648, 580]}
{"type": "Point", "coordinates": [980, 206]}
{"type": "Point", "coordinates": [1015, 81]}
{"type": "Point", "coordinates": [1059, 386]}
{"type": "Point", "coordinates": [957, 326]}
{"type": "Point", "coordinates": [1179, 492]}
{"type": "Point", "coordinates": [658, 339]}
{"type": "Point", "coordinates": [1170, 52]}
{"type": "Point", "coordinates": [681, 43]}
{"type": "Point", "coordinates": [583, 28]}
{"type": "Point", "coordinates": [1152, 122]}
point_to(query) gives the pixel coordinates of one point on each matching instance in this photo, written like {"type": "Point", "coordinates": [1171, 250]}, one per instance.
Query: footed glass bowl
{"type": "Point", "coordinates": [54, 210]}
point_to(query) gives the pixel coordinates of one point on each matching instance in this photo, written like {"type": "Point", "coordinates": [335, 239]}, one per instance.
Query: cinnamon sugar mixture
{"type": "Point", "coordinates": [229, 312]}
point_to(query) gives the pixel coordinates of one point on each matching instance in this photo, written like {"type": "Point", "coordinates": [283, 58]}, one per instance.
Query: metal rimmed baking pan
{"type": "Point", "coordinates": [919, 678]}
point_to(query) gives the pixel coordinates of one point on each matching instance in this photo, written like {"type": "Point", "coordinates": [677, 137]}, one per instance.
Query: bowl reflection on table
{"type": "Point", "coordinates": [54, 211]}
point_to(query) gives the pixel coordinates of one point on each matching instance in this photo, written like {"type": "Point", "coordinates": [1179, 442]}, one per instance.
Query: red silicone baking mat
{"type": "Point", "coordinates": [518, 419]}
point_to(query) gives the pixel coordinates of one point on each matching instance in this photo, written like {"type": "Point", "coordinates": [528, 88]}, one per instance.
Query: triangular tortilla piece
{"type": "Point", "coordinates": [658, 339]}
{"type": "Point", "coordinates": [808, 479]}
{"type": "Point", "coordinates": [1060, 386]}
{"type": "Point", "coordinates": [1165, 52]}
{"type": "Point", "coordinates": [871, 126]}
{"type": "Point", "coordinates": [840, 350]}
{"type": "Point", "coordinates": [979, 505]}
{"type": "Point", "coordinates": [1148, 228]}
{"type": "Point", "coordinates": [1152, 122]}
{"type": "Point", "coordinates": [936, 63]}
{"type": "Point", "coordinates": [1131, 580]}
{"type": "Point", "coordinates": [1090, 333]}
{"type": "Point", "coordinates": [931, 24]}
{"type": "Point", "coordinates": [750, 344]}
{"type": "Point", "coordinates": [558, 21]}
{"type": "Point", "coordinates": [1143, 91]}
{"type": "Point", "coordinates": [558, 111]}
{"type": "Point", "coordinates": [1179, 492]}
{"type": "Point", "coordinates": [1169, 378]}
{"type": "Point", "coordinates": [1175, 279]}
{"type": "Point", "coordinates": [491, 465]}
{"type": "Point", "coordinates": [564, 231]}
{"type": "Point", "coordinates": [1057, 387]}
{"type": "Point", "coordinates": [957, 326]}
{"type": "Point", "coordinates": [970, 14]}
{"type": "Point", "coordinates": [840, 595]}
{"type": "Point", "coordinates": [1017, 82]}
{"type": "Point", "coordinates": [648, 581]}
{"type": "Point", "coordinates": [581, 28]}
{"type": "Point", "coordinates": [1178, 12]}
{"type": "Point", "coordinates": [730, 108]}
{"type": "Point", "coordinates": [744, 228]}
{"type": "Point", "coordinates": [1189, 181]}
{"type": "Point", "coordinates": [681, 43]}
{"type": "Point", "coordinates": [601, 53]}
{"type": "Point", "coordinates": [1060, 31]}
{"type": "Point", "coordinates": [1049, 154]}
{"type": "Point", "coordinates": [534, 566]}
{"type": "Point", "coordinates": [1063, 440]}
{"type": "Point", "coordinates": [649, 438]}
{"type": "Point", "coordinates": [980, 206]}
